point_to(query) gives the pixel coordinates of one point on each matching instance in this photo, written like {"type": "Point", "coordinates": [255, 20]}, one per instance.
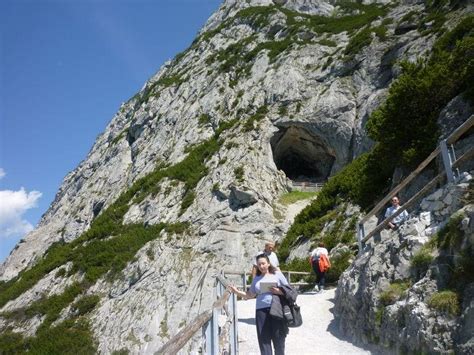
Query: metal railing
{"type": "Point", "coordinates": [218, 337]}
{"type": "Point", "coordinates": [450, 162]}
{"type": "Point", "coordinates": [307, 186]}
{"type": "Point", "coordinates": [244, 276]}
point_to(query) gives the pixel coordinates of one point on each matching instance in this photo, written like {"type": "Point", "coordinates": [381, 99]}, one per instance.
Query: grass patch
{"type": "Point", "coordinates": [393, 293]}
{"type": "Point", "coordinates": [252, 122]}
{"type": "Point", "coordinates": [294, 196]}
{"type": "Point", "coordinates": [422, 259]}
{"type": "Point", "coordinates": [446, 302]}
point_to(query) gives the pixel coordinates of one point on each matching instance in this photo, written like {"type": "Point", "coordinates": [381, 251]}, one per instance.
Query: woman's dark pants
{"type": "Point", "coordinates": [270, 329]}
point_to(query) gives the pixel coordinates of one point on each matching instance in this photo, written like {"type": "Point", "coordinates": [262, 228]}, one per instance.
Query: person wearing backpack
{"type": "Point", "coordinates": [320, 263]}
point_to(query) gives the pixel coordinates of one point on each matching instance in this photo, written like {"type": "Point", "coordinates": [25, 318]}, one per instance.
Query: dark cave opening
{"type": "Point", "coordinates": [302, 155]}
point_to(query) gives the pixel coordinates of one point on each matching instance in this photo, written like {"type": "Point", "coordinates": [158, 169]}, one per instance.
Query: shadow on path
{"type": "Point", "coordinates": [250, 321]}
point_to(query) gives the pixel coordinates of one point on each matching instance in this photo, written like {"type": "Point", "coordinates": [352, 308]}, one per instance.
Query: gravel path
{"type": "Point", "coordinates": [317, 335]}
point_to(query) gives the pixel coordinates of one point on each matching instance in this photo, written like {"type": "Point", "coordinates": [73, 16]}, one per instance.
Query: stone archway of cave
{"type": "Point", "coordinates": [302, 155]}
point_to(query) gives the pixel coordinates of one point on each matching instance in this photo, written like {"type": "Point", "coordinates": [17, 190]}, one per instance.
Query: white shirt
{"type": "Point", "coordinates": [316, 253]}
{"type": "Point", "coordinates": [400, 218]}
{"type": "Point", "coordinates": [264, 300]}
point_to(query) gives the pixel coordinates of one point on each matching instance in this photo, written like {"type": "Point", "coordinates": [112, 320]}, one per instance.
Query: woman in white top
{"type": "Point", "coordinates": [320, 276]}
{"type": "Point", "coordinates": [269, 329]}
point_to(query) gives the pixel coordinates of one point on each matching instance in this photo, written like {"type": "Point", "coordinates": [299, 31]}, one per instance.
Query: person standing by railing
{"type": "Point", "coordinates": [269, 329]}
{"type": "Point", "coordinates": [395, 223]}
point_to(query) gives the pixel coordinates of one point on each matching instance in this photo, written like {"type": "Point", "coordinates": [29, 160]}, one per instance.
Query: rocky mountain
{"type": "Point", "coordinates": [186, 178]}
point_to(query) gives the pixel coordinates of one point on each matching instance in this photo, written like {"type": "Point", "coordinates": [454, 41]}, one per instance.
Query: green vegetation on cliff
{"type": "Point", "coordinates": [404, 129]}
{"type": "Point", "coordinates": [104, 249]}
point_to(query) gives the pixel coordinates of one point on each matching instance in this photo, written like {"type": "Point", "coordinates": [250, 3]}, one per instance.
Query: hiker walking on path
{"type": "Point", "coordinates": [394, 223]}
{"type": "Point", "coordinates": [315, 257]}
{"type": "Point", "coordinates": [268, 251]}
{"type": "Point", "coordinates": [266, 284]}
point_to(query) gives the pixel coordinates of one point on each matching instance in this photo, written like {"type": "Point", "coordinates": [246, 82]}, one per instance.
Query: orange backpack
{"type": "Point", "coordinates": [324, 263]}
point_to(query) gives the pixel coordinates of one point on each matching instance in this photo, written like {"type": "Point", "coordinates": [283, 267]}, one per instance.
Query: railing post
{"type": "Point", "coordinates": [360, 235]}
{"type": "Point", "coordinates": [453, 159]}
{"type": "Point", "coordinates": [234, 335]}
{"type": "Point", "coordinates": [212, 334]}
{"type": "Point", "coordinates": [447, 161]}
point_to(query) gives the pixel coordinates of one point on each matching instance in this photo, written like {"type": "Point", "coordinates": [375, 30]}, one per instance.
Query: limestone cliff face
{"type": "Point", "coordinates": [278, 93]}
{"type": "Point", "coordinates": [376, 302]}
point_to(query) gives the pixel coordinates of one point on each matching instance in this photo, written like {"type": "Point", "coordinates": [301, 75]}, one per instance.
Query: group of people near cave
{"type": "Point", "coordinates": [266, 268]}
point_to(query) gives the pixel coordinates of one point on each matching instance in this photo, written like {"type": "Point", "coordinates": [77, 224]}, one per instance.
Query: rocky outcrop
{"type": "Point", "coordinates": [264, 93]}
{"type": "Point", "coordinates": [386, 296]}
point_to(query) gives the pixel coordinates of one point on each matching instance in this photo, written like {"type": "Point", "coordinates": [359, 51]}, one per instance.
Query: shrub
{"type": "Point", "coordinates": [301, 265]}
{"type": "Point", "coordinates": [69, 337]}
{"type": "Point", "coordinates": [12, 343]}
{"type": "Point", "coordinates": [357, 42]}
{"type": "Point", "coordinates": [446, 302]}
{"type": "Point", "coordinates": [239, 173]}
{"type": "Point", "coordinates": [255, 118]}
{"type": "Point", "coordinates": [85, 304]}
{"type": "Point", "coordinates": [339, 264]}
{"type": "Point", "coordinates": [204, 119]}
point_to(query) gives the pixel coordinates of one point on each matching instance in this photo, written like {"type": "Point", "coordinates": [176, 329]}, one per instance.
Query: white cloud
{"type": "Point", "coordinates": [2, 173]}
{"type": "Point", "coordinates": [13, 204]}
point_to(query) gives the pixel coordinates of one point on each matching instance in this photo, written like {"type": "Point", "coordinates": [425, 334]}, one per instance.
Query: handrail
{"type": "Point", "coordinates": [409, 203]}
{"type": "Point", "coordinates": [458, 132]}
{"type": "Point", "coordinates": [400, 186]}
{"type": "Point", "coordinates": [208, 318]}
{"type": "Point", "coordinates": [288, 274]}
{"type": "Point", "coordinates": [177, 342]}
{"type": "Point", "coordinates": [449, 161]}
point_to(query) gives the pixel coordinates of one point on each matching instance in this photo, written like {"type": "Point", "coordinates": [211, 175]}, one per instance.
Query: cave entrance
{"type": "Point", "coordinates": [302, 155]}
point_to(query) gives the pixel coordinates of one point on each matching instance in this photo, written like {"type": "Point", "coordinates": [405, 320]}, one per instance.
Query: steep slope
{"type": "Point", "coordinates": [184, 179]}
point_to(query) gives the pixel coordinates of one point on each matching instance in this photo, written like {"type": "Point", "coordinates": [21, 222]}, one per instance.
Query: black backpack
{"type": "Point", "coordinates": [292, 314]}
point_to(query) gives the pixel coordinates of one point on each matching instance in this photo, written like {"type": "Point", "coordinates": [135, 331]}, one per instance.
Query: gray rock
{"type": "Point", "coordinates": [408, 324]}
{"type": "Point", "coordinates": [316, 117]}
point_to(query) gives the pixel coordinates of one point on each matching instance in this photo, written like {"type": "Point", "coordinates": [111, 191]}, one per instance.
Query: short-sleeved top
{"type": "Point", "coordinates": [264, 300]}
{"type": "Point", "coordinates": [400, 218]}
{"type": "Point", "coordinates": [271, 257]}
{"type": "Point", "coordinates": [315, 254]}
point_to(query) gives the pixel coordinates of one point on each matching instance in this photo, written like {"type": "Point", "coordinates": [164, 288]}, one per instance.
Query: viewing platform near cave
{"type": "Point", "coordinates": [307, 186]}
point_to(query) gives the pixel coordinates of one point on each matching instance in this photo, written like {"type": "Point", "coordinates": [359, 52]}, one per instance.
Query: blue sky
{"type": "Point", "coordinates": [65, 68]}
